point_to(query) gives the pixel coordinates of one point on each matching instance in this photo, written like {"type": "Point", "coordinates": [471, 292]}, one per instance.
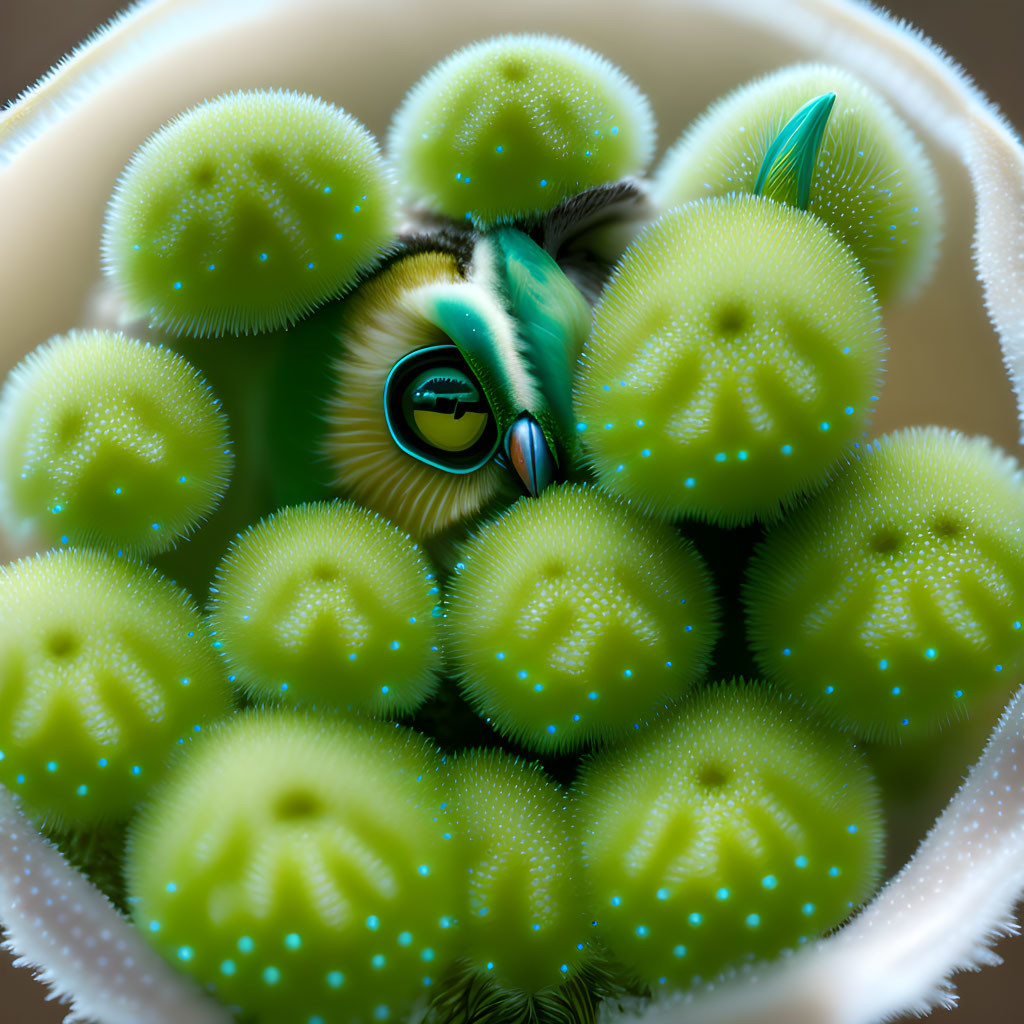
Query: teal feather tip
{"type": "Point", "coordinates": [872, 182]}
{"type": "Point", "coordinates": [705, 345]}
{"type": "Point", "coordinates": [788, 167]}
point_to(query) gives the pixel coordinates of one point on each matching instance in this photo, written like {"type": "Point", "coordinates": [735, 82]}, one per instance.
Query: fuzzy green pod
{"type": "Point", "coordinates": [300, 869]}
{"type": "Point", "coordinates": [108, 441]}
{"type": "Point", "coordinates": [893, 601]}
{"type": "Point", "coordinates": [509, 127]}
{"type": "Point", "coordinates": [328, 604]}
{"type": "Point", "coordinates": [525, 923]}
{"type": "Point", "coordinates": [732, 829]}
{"type": "Point", "coordinates": [570, 617]}
{"type": "Point", "coordinates": [246, 212]}
{"type": "Point", "coordinates": [873, 184]}
{"type": "Point", "coordinates": [105, 666]}
{"type": "Point", "coordinates": [734, 358]}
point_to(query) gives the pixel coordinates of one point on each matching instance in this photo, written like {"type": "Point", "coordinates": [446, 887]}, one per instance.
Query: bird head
{"type": "Point", "coordinates": [454, 379]}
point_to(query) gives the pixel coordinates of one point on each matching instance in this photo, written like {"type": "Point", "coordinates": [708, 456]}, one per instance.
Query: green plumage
{"type": "Point", "coordinates": [788, 168]}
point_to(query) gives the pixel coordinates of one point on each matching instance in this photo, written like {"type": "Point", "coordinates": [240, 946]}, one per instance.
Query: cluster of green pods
{"type": "Point", "coordinates": [400, 619]}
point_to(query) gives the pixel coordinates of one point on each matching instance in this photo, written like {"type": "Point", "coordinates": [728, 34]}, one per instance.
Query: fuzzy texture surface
{"type": "Point", "coordinates": [525, 921]}
{"type": "Point", "coordinates": [933, 89]}
{"type": "Point", "coordinates": [244, 213]}
{"type": "Point", "coordinates": [872, 184]}
{"type": "Point", "coordinates": [893, 601]}
{"type": "Point", "coordinates": [104, 667]}
{"type": "Point", "coordinates": [329, 605]}
{"type": "Point", "coordinates": [507, 128]}
{"type": "Point", "coordinates": [300, 868]}
{"type": "Point", "coordinates": [83, 950]}
{"type": "Point", "coordinates": [734, 358]}
{"type": "Point", "coordinates": [107, 441]}
{"type": "Point", "coordinates": [941, 914]}
{"type": "Point", "coordinates": [732, 828]}
{"type": "Point", "coordinates": [571, 617]}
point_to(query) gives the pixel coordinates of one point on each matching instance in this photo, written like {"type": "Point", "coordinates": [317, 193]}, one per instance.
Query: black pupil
{"type": "Point", "coordinates": [448, 395]}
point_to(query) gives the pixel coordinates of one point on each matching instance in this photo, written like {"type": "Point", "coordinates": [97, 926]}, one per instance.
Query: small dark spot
{"type": "Point", "coordinates": [204, 174]}
{"type": "Point", "coordinates": [295, 804]}
{"type": "Point", "coordinates": [731, 319]}
{"type": "Point", "coordinates": [553, 569]}
{"type": "Point", "coordinates": [712, 776]}
{"type": "Point", "coordinates": [62, 644]}
{"type": "Point", "coordinates": [946, 526]}
{"type": "Point", "coordinates": [69, 426]}
{"type": "Point", "coordinates": [885, 541]}
{"type": "Point", "coordinates": [324, 572]}
{"type": "Point", "coordinates": [266, 161]}
{"type": "Point", "coordinates": [513, 69]}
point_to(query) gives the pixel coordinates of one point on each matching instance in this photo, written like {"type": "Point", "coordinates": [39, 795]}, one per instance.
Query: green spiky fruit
{"type": "Point", "coordinates": [525, 924]}
{"type": "Point", "coordinates": [892, 602]}
{"type": "Point", "coordinates": [731, 829]}
{"type": "Point", "coordinates": [299, 869]}
{"type": "Point", "coordinates": [328, 604]}
{"type": "Point", "coordinates": [873, 184]}
{"type": "Point", "coordinates": [734, 357]}
{"type": "Point", "coordinates": [246, 212]}
{"type": "Point", "coordinates": [571, 617]}
{"type": "Point", "coordinates": [509, 127]}
{"type": "Point", "coordinates": [105, 666]}
{"type": "Point", "coordinates": [108, 441]}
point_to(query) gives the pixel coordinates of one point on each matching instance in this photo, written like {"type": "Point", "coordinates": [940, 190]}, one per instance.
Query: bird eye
{"type": "Point", "coordinates": [437, 412]}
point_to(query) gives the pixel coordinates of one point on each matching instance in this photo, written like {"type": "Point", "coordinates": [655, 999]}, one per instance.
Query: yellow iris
{"type": "Point", "coordinates": [447, 432]}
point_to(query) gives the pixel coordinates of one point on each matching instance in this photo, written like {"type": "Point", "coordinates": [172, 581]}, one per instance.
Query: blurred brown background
{"type": "Point", "coordinates": [985, 37]}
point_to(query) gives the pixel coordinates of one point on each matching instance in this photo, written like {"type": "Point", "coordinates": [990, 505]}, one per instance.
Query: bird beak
{"type": "Point", "coordinates": [529, 454]}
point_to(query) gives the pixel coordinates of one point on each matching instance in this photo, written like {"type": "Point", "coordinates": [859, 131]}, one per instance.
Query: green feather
{"type": "Point", "coordinates": [552, 317]}
{"type": "Point", "coordinates": [477, 336]}
{"type": "Point", "coordinates": [788, 166]}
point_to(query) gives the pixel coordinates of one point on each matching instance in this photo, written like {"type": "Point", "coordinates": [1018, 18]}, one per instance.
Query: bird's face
{"type": "Point", "coordinates": [453, 382]}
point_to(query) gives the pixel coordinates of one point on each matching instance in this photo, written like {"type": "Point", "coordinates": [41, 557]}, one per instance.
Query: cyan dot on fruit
{"type": "Point", "coordinates": [733, 360]}
{"type": "Point", "coordinates": [509, 127]}
{"type": "Point", "coordinates": [873, 183]}
{"type": "Point", "coordinates": [328, 604]}
{"type": "Point", "coordinates": [108, 441]}
{"type": "Point", "coordinates": [731, 829]}
{"type": "Point", "coordinates": [890, 601]}
{"type": "Point", "coordinates": [572, 616]}
{"type": "Point", "coordinates": [108, 666]}
{"type": "Point", "coordinates": [525, 923]}
{"type": "Point", "coordinates": [246, 212]}
{"type": "Point", "coordinates": [308, 854]}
